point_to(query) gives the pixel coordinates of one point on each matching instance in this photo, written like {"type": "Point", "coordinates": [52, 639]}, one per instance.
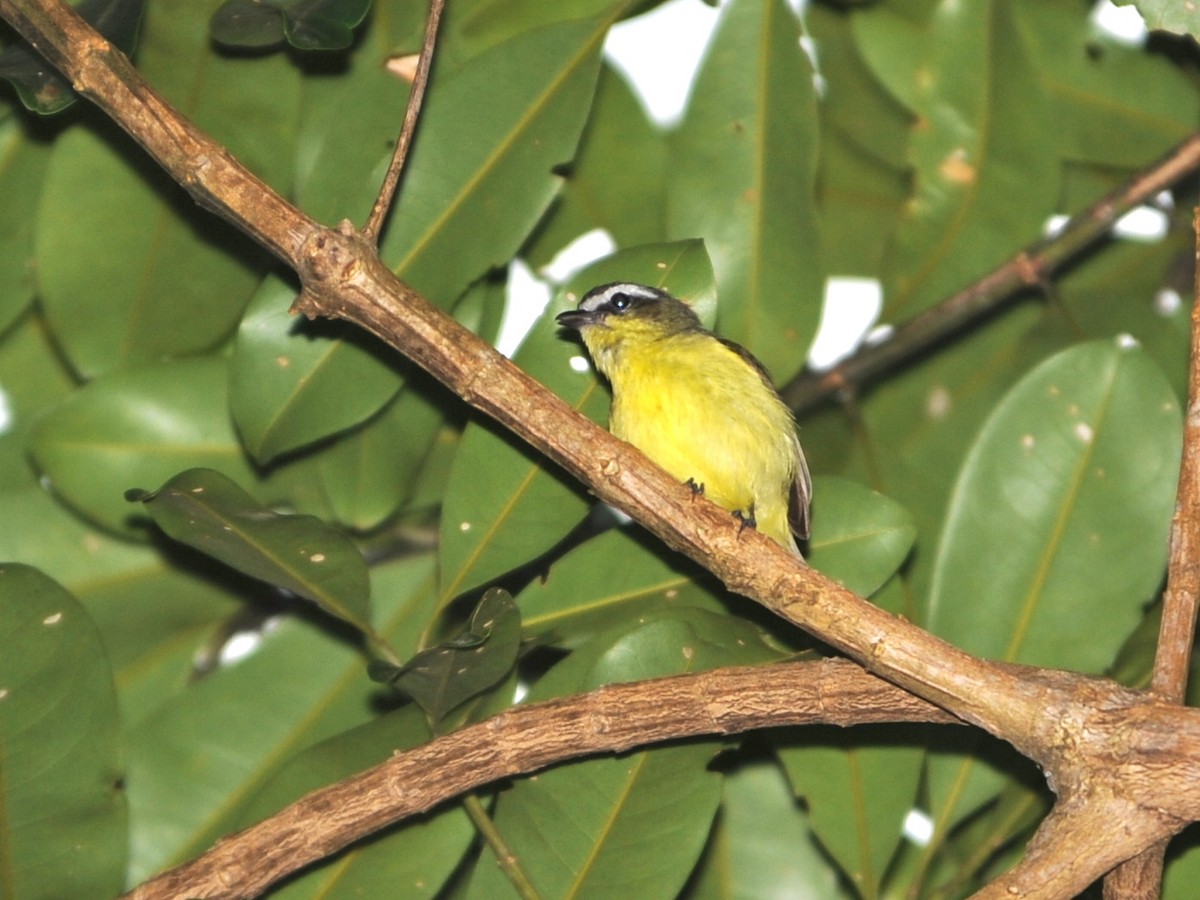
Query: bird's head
{"type": "Point", "coordinates": [626, 313]}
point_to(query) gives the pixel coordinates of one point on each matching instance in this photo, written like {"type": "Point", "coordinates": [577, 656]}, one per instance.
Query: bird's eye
{"type": "Point", "coordinates": [620, 302]}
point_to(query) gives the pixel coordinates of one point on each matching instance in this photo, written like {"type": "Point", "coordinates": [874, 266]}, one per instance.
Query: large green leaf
{"type": "Point", "coordinates": [62, 811]}
{"type": "Point", "coordinates": [301, 554]}
{"type": "Point", "coordinates": [1056, 533]}
{"type": "Point", "coordinates": [22, 165]}
{"type": "Point", "coordinates": [983, 185]}
{"type": "Point", "coordinates": [129, 268]}
{"type": "Point", "coordinates": [156, 617]}
{"type": "Point", "coordinates": [504, 506]}
{"type": "Point", "coordinates": [618, 179]}
{"type": "Point", "coordinates": [760, 848]}
{"type": "Point", "coordinates": [858, 787]}
{"type": "Point", "coordinates": [511, 116]}
{"type": "Point", "coordinates": [137, 427]}
{"type": "Point", "coordinates": [1113, 104]}
{"type": "Point", "coordinates": [195, 764]}
{"type": "Point", "coordinates": [293, 381]}
{"type": "Point", "coordinates": [742, 173]}
{"type": "Point", "coordinates": [584, 593]}
{"type": "Point", "coordinates": [860, 537]}
{"type": "Point", "coordinates": [631, 826]}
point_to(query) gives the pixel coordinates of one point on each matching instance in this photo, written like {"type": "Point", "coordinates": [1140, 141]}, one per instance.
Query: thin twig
{"type": "Point", "coordinates": [1141, 877]}
{"type": "Point", "coordinates": [1030, 268]}
{"type": "Point", "coordinates": [391, 180]}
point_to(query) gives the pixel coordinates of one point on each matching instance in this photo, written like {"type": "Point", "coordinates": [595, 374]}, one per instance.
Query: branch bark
{"type": "Point", "coordinates": [1125, 765]}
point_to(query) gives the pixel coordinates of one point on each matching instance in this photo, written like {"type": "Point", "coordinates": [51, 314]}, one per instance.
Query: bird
{"type": "Point", "coordinates": [701, 407]}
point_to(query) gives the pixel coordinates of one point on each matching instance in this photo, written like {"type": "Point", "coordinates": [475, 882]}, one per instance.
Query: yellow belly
{"type": "Point", "coordinates": [709, 417]}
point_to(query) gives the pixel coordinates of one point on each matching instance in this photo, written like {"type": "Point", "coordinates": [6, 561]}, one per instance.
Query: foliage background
{"type": "Point", "coordinates": [1011, 491]}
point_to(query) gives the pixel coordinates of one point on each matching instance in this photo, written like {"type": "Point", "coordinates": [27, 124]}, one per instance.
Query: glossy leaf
{"type": "Point", "coordinates": [617, 181]}
{"type": "Point", "coordinates": [129, 269]}
{"type": "Point", "coordinates": [155, 617]}
{"type": "Point", "coordinates": [305, 24]}
{"type": "Point", "coordinates": [63, 811]}
{"type": "Point", "coordinates": [633, 825]}
{"type": "Point", "coordinates": [981, 186]}
{"type": "Point", "coordinates": [584, 592]}
{"type": "Point", "coordinates": [860, 538]}
{"type": "Point", "coordinates": [1056, 532]}
{"type": "Point", "coordinates": [742, 173]}
{"type": "Point", "coordinates": [440, 678]}
{"type": "Point", "coordinates": [503, 505]}
{"type": "Point", "coordinates": [761, 848]}
{"type": "Point", "coordinates": [137, 427]}
{"type": "Point", "coordinates": [22, 166]}
{"type": "Point", "coordinates": [858, 786]}
{"type": "Point", "coordinates": [293, 381]}
{"type": "Point", "coordinates": [512, 115]}
{"type": "Point", "coordinates": [1113, 104]}
{"type": "Point", "coordinates": [1061, 511]}
{"type": "Point", "coordinates": [301, 554]}
{"type": "Point", "coordinates": [369, 473]}
{"type": "Point", "coordinates": [413, 860]}
{"type": "Point", "coordinates": [189, 781]}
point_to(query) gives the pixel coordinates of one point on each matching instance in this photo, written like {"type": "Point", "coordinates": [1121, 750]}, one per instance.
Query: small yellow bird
{"type": "Point", "coordinates": [701, 407]}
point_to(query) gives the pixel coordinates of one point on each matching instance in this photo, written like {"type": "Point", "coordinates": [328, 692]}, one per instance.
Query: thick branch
{"type": "Point", "coordinates": [526, 738]}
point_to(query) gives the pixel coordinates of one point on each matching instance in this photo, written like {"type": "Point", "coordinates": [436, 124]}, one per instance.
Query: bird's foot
{"type": "Point", "coordinates": [696, 486]}
{"type": "Point", "coordinates": [746, 520]}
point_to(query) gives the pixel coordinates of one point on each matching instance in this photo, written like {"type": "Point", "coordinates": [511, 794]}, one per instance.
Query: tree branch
{"type": "Point", "coordinates": [526, 738]}
{"type": "Point", "coordinates": [391, 180]}
{"type": "Point", "coordinates": [1094, 739]}
{"type": "Point", "coordinates": [1141, 878]}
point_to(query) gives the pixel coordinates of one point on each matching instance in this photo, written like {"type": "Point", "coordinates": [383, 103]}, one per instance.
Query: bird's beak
{"type": "Point", "coordinates": [576, 318]}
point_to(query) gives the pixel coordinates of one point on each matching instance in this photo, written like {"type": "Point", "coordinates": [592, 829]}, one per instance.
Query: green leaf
{"type": "Point", "coordinates": [1113, 105]}
{"type": "Point", "coordinates": [306, 24]}
{"type": "Point", "coordinates": [504, 506]}
{"type": "Point", "coordinates": [632, 826]}
{"type": "Point", "coordinates": [129, 269]}
{"type": "Point", "coordinates": [189, 779]}
{"type": "Point", "coordinates": [348, 123]}
{"type": "Point", "coordinates": [1168, 15]}
{"type": "Point", "coordinates": [761, 848]}
{"type": "Point", "coordinates": [982, 187]}
{"type": "Point", "coordinates": [860, 537]}
{"type": "Point", "coordinates": [413, 860]}
{"type": "Point", "coordinates": [204, 509]}
{"type": "Point", "coordinates": [1057, 530]}
{"type": "Point", "coordinates": [618, 179]}
{"type": "Point", "coordinates": [742, 175]}
{"type": "Point", "coordinates": [584, 593]}
{"type": "Point", "coordinates": [63, 811]}
{"type": "Point", "coordinates": [1061, 512]}
{"type": "Point", "coordinates": [293, 381]}
{"type": "Point", "coordinates": [139, 426]}
{"type": "Point", "coordinates": [858, 785]}
{"type": "Point", "coordinates": [511, 115]}
{"type": "Point", "coordinates": [371, 472]}
{"type": "Point", "coordinates": [156, 617]}
{"type": "Point", "coordinates": [476, 659]}
{"type": "Point", "coordinates": [22, 166]}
